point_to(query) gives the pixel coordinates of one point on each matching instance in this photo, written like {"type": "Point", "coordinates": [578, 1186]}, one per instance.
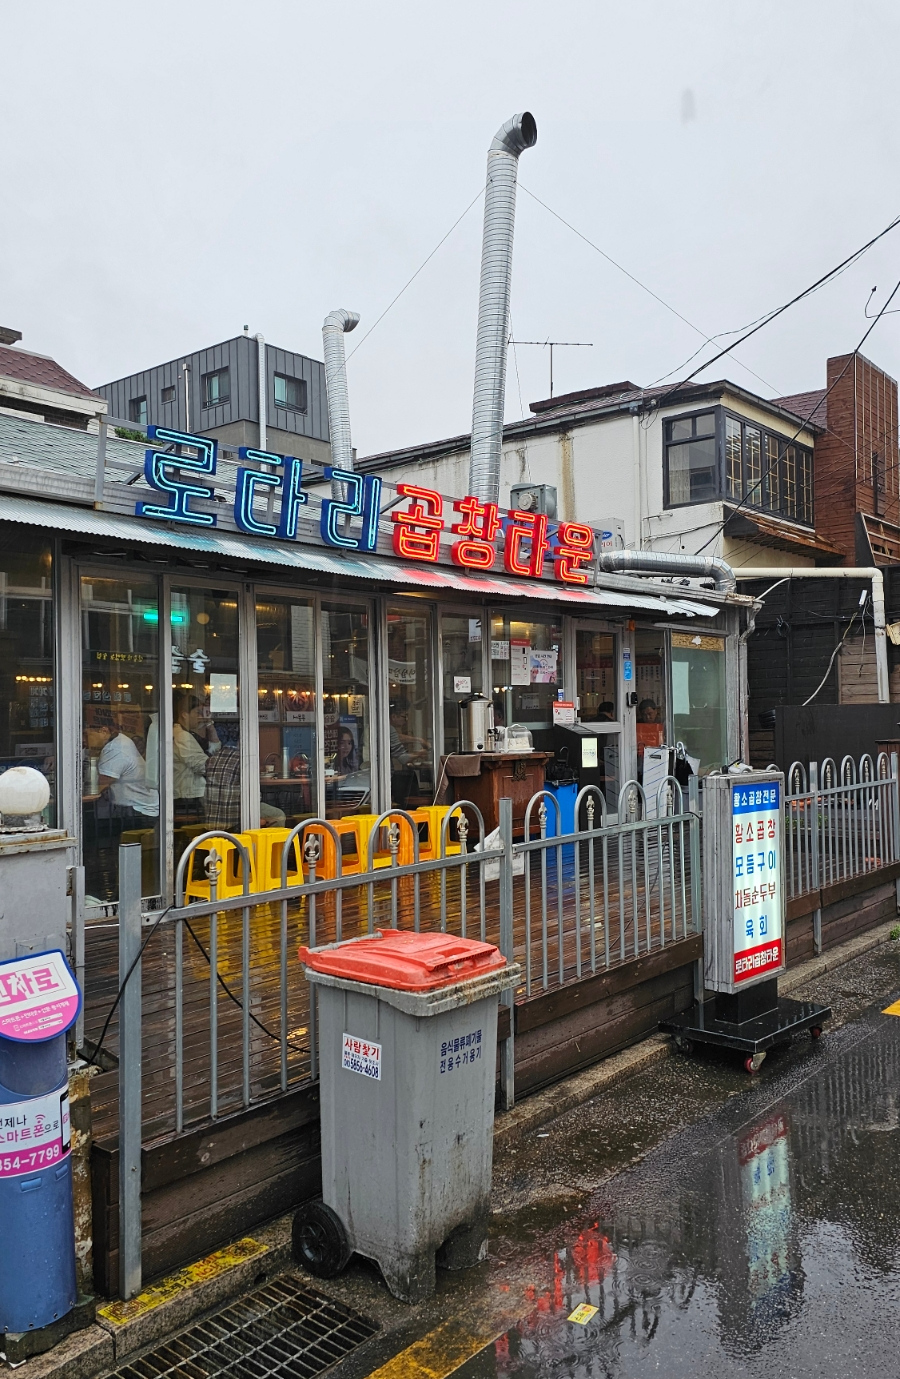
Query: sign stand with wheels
{"type": "Point", "coordinates": [743, 911]}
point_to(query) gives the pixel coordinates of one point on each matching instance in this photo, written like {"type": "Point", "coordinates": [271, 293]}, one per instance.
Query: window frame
{"type": "Point", "coordinates": [134, 410]}
{"type": "Point", "coordinates": [205, 379]}
{"type": "Point", "coordinates": [300, 383]}
{"type": "Point", "coordinates": [803, 478]}
{"type": "Point", "coordinates": [168, 388]}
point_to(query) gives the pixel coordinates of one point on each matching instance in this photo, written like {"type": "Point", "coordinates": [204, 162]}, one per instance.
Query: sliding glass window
{"type": "Point", "coordinates": [288, 755]}
{"type": "Point", "coordinates": [347, 709]}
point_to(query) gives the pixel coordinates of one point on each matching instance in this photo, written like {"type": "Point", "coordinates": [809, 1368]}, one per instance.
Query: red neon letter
{"type": "Point", "coordinates": [531, 527]}
{"type": "Point", "coordinates": [576, 545]}
{"type": "Point", "coordinates": [417, 531]}
{"type": "Point", "coordinates": [480, 523]}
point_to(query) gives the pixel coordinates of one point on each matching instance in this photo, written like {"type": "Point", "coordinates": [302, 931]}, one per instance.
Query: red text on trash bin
{"type": "Point", "coordinates": [361, 1056]}
{"type": "Point", "coordinates": [38, 997]}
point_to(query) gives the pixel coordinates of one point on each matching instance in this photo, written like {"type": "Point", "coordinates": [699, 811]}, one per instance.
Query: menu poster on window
{"type": "Point", "coordinates": [474, 629]}
{"type": "Point", "coordinates": [519, 663]}
{"type": "Point", "coordinates": [223, 694]}
{"type": "Point", "coordinates": [499, 651]}
{"type": "Point", "coordinates": [302, 645]}
{"type": "Point", "coordinates": [542, 666]}
{"type": "Point", "coordinates": [401, 672]}
{"type": "Point", "coordinates": [268, 706]}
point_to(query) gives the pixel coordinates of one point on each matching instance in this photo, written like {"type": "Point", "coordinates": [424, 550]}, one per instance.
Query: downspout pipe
{"type": "Point", "coordinates": [668, 563]}
{"type": "Point", "coordinates": [509, 142]}
{"type": "Point", "coordinates": [781, 572]}
{"type": "Point", "coordinates": [261, 383]}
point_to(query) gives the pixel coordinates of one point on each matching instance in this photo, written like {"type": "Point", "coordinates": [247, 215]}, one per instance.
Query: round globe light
{"type": "Point", "coordinates": [23, 791]}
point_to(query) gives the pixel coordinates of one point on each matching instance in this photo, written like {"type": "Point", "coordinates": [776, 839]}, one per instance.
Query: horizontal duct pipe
{"type": "Point", "coordinates": [666, 563]}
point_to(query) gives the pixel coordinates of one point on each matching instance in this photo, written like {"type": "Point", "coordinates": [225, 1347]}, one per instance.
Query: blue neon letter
{"type": "Point", "coordinates": [157, 465]}
{"type": "Point", "coordinates": [363, 500]}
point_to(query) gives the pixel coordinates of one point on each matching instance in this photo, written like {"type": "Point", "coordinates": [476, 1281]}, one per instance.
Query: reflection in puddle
{"type": "Point", "coordinates": [771, 1251]}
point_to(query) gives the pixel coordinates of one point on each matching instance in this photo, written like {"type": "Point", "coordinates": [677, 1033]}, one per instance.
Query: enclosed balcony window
{"type": "Point", "coordinates": [691, 460]}
{"type": "Point", "coordinates": [740, 462]}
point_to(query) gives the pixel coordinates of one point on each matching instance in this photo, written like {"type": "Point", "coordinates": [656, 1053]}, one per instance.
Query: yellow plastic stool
{"type": "Point", "coordinates": [382, 858]}
{"type": "Point", "coordinates": [438, 813]}
{"type": "Point", "coordinates": [231, 881]}
{"type": "Point", "coordinates": [353, 860]}
{"type": "Point", "coordinates": [268, 851]}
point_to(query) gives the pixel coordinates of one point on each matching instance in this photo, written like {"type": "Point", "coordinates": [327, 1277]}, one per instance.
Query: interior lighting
{"type": "Point", "coordinates": [151, 615]}
{"type": "Point", "coordinates": [123, 687]}
{"type": "Point", "coordinates": [148, 687]}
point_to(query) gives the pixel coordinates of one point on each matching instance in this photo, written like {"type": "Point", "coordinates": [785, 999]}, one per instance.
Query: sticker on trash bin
{"type": "Point", "coordinates": [582, 1314]}
{"type": "Point", "coordinates": [458, 1053]}
{"type": "Point", "coordinates": [34, 1133]}
{"type": "Point", "coordinates": [39, 997]}
{"type": "Point", "coordinates": [361, 1056]}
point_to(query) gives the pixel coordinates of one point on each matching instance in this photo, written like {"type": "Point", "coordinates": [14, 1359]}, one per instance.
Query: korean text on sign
{"type": "Point", "coordinates": [33, 1133]}
{"type": "Point", "coordinates": [756, 864]}
{"type": "Point", "coordinates": [361, 1056]}
{"type": "Point", "coordinates": [460, 1052]}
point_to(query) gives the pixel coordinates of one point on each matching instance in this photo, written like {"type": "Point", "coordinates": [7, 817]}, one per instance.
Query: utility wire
{"type": "Point", "coordinates": [115, 1005]}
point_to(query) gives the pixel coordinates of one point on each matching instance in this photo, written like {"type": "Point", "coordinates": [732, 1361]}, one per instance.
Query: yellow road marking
{"type": "Point", "coordinates": [217, 1263]}
{"type": "Point", "coordinates": [440, 1353]}
{"type": "Point", "coordinates": [892, 1009]}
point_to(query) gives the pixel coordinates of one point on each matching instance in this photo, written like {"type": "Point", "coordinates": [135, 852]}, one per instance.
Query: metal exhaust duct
{"type": "Point", "coordinates": [334, 327]}
{"type": "Point", "coordinates": [670, 563]}
{"type": "Point", "coordinates": [511, 139]}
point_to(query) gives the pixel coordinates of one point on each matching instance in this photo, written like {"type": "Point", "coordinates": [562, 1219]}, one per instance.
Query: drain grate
{"type": "Point", "coordinates": [284, 1329]}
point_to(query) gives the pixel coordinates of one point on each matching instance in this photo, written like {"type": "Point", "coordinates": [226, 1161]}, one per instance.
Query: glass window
{"type": "Point", "coordinates": [650, 684]}
{"type": "Point", "coordinates": [805, 486]}
{"type": "Point", "coordinates": [347, 710]}
{"type": "Point", "coordinates": [461, 644]}
{"type": "Point", "coordinates": [772, 485]}
{"type": "Point", "coordinates": [596, 676]}
{"type": "Point", "coordinates": [137, 410]}
{"type": "Point", "coordinates": [206, 768]}
{"type": "Point", "coordinates": [290, 393]}
{"type": "Point", "coordinates": [525, 671]}
{"type": "Point", "coordinates": [288, 757]}
{"type": "Point", "coordinates": [698, 698]}
{"type": "Point", "coordinates": [120, 730]}
{"type": "Point", "coordinates": [692, 472]}
{"type": "Point", "coordinates": [27, 727]}
{"type": "Point", "coordinates": [168, 394]}
{"type": "Point", "coordinates": [756, 492]}
{"type": "Point", "coordinates": [410, 708]}
{"type": "Point", "coordinates": [733, 457]}
{"type": "Point", "coordinates": [216, 388]}
{"type": "Point", "coordinates": [789, 482]}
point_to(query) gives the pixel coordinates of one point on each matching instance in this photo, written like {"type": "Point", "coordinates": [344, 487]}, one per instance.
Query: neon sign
{"type": "Point", "coordinates": [526, 538]}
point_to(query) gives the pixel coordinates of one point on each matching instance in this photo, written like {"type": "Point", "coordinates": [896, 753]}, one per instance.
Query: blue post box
{"type": "Point", "coordinates": [39, 1002]}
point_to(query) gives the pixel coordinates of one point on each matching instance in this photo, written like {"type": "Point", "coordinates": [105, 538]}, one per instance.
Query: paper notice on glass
{"type": "Point", "coordinates": [563, 713]}
{"type": "Point", "coordinates": [589, 753]}
{"type": "Point", "coordinates": [223, 694]}
{"type": "Point", "coordinates": [542, 665]}
{"type": "Point", "coordinates": [462, 684]}
{"type": "Point", "coordinates": [474, 629]}
{"type": "Point", "coordinates": [499, 651]}
{"type": "Point", "coordinates": [681, 697]}
{"type": "Point", "coordinates": [519, 663]}
{"type": "Point", "coordinates": [302, 646]}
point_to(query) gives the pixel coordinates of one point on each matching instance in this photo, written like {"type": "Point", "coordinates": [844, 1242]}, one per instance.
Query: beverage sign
{"type": "Point", "coordinates": [756, 862]}
{"type": "Point", "coordinates": [34, 1133]}
{"type": "Point", "coordinates": [39, 997]}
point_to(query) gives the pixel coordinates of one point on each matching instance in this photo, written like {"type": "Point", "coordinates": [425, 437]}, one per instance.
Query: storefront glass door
{"type": "Point", "coordinates": [410, 707]}
{"type": "Point", "coordinates": [120, 730]}
{"type": "Point", "coordinates": [598, 698]}
{"type": "Point", "coordinates": [526, 669]}
{"type": "Point", "coordinates": [206, 750]}
{"type": "Point", "coordinates": [461, 667]}
{"type": "Point", "coordinates": [288, 751]}
{"type": "Point", "coordinates": [347, 709]}
{"type": "Point", "coordinates": [698, 699]}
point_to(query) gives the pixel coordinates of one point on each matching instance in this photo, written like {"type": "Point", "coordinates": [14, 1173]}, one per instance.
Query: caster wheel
{"type": "Point", "coordinates": [319, 1240]}
{"type": "Point", "coordinates": [753, 1063]}
{"type": "Point", "coordinates": [685, 1046]}
{"type": "Point", "coordinates": [816, 1032]}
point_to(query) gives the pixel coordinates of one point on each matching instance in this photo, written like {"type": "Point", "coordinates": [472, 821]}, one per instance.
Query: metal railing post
{"type": "Point", "coordinates": [507, 1049]}
{"type": "Point", "coordinates": [130, 1070]}
{"type": "Point", "coordinates": [895, 802]}
{"type": "Point", "coordinates": [696, 881]}
{"type": "Point", "coordinates": [100, 471]}
{"type": "Point", "coordinates": [816, 854]}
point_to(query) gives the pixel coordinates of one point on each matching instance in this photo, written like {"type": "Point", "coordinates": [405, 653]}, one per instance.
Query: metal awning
{"type": "Point", "coordinates": [341, 565]}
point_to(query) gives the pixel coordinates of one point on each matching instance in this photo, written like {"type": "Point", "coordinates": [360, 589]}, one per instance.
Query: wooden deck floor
{"type": "Point", "coordinates": [646, 906]}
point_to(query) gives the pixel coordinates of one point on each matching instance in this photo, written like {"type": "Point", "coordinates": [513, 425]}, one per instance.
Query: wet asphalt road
{"type": "Point", "coordinates": [719, 1225]}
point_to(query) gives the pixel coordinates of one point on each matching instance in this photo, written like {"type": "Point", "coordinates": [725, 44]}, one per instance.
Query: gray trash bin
{"type": "Point", "coordinates": [407, 1063]}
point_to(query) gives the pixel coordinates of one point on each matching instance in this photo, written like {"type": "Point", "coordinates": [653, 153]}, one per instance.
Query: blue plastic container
{"type": "Point", "coordinates": [565, 796]}
{"type": "Point", "coordinates": [37, 1261]}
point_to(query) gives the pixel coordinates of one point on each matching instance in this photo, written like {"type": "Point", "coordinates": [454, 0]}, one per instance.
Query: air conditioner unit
{"type": "Point", "coordinates": [534, 498]}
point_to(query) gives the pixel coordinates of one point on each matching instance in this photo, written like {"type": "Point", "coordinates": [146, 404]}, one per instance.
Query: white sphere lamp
{"type": "Point", "coordinates": [24, 793]}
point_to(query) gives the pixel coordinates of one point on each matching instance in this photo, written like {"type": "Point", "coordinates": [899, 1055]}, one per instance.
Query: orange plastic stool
{"type": "Point", "coordinates": [382, 856]}
{"type": "Point", "coordinates": [353, 858]}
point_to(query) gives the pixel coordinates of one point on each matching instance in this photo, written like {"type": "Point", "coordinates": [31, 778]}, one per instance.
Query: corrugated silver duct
{"type": "Point", "coordinates": [334, 327]}
{"type": "Point", "coordinates": [665, 563]}
{"type": "Point", "coordinates": [512, 139]}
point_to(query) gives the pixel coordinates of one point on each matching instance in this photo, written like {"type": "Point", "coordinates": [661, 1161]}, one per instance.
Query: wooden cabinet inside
{"type": "Point", "coordinates": [518, 775]}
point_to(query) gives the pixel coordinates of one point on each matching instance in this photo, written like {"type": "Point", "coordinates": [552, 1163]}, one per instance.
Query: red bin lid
{"type": "Point", "coordinates": [404, 961]}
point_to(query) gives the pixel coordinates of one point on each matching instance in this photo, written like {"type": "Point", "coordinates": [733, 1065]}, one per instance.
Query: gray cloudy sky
{"type": "Point", "coordinates": [171, 171]}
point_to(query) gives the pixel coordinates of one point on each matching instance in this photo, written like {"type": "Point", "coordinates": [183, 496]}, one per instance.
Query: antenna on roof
{"type": "Point", "coordinates": [556, 344]}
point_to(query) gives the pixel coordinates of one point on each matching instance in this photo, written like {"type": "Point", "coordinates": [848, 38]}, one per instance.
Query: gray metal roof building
{"type": "Point", "coordinates": [215, 392]}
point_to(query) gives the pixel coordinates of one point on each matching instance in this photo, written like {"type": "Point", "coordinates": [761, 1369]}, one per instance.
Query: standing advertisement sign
{"type": "Point", "coordinates": [743, 892]}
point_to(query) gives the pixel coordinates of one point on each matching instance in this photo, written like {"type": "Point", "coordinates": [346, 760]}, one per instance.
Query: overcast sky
{"type": "Point", "coordinates": [171, 172]}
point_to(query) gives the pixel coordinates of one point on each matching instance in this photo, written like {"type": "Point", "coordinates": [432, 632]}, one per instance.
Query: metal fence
{"type": "Point", "coordinates": [840, 821]}
{"type": "Point", "coordinates": [216, 1015]}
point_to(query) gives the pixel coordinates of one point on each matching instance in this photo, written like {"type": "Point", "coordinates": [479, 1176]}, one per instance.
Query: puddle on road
{"type": "Point", "coordinates": [769, 1249]}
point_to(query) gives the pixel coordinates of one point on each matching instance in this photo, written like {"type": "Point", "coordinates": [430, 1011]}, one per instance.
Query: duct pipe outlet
{"type": "Point", "coordinates": [261, 383]}
{"type": "Point", "coordinates": [513, 138]}
{"type": "Point", "coordinates": [335, 326]}
{"type": "Point", "coordinates": [667, 563]}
